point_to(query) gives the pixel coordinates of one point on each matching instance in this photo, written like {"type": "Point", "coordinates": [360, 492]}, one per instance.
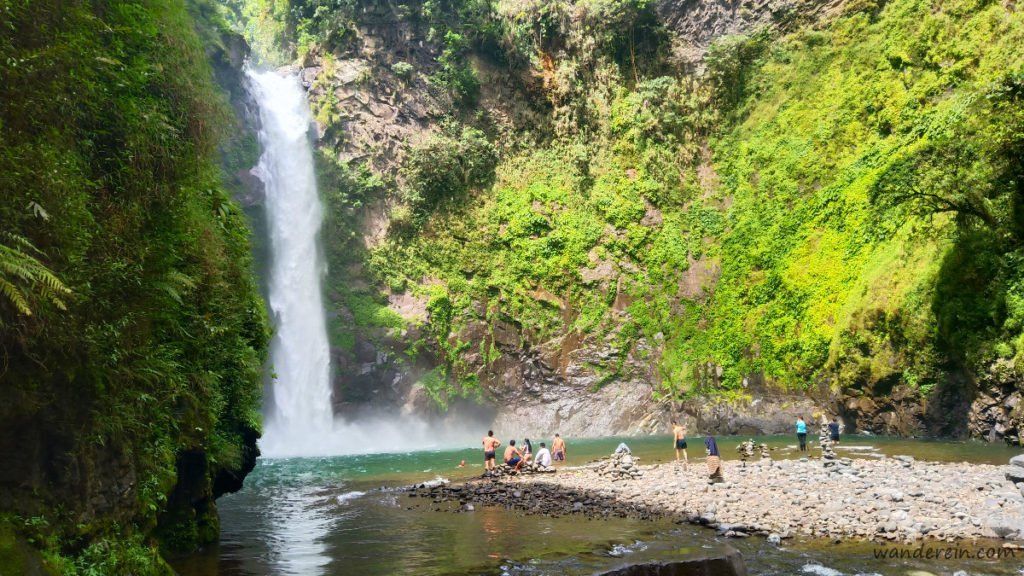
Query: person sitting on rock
{"type": "Point", "coordinates": [543, 456]}
{"type": "Point", "coordinates": [527, 451]}
{"type": "Point", "coordinates": [513, 457]}
{"type": "Point", "coordinates": [558, 446]}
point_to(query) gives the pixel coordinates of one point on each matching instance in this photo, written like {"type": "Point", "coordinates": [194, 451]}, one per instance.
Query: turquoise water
{"type": "Point", "coordinates": [343, 515]}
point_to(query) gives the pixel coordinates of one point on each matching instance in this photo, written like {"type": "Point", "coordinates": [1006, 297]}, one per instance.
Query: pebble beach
{"type": "Point", "coordinates": [885, 499]}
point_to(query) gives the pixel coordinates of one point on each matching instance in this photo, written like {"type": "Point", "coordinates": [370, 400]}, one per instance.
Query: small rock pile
{"type": "Point", "coordinates": [620, 466]}
{"type": "Point", "coordinates": [765, 453]}
{"type": "Point", "coordinates": [828, 453]}
{"type": "Point", "coordinates": [534, 497]}
{"type": "Point", "coordinates": [503, 470]}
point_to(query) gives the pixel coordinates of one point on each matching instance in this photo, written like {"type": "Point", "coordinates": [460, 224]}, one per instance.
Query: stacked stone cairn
{"type": "Point", "coordinates": [828, 454]}
{"type": "Point", "coordinates": [765, 452]}
{"type": "Point", "coordinates": [746, 450]}
{"type": "Point", "coordinates": [621, 465]}
{"type": "Point", "coordinates": [829, 460]}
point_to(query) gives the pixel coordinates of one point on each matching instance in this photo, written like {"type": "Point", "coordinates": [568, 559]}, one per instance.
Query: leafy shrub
{"type": "Point", "coordinates": [402, 69]}
{"type": "Point", "coordinates": [448, 165]}
{"type": "Point", "coordinates": [455, 73]}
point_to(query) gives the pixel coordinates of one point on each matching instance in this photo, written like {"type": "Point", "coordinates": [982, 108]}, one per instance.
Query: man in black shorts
{"type": "Point", "coordinates": [490, 446]}
{"type": "Point", "coordinates": [679, 437]}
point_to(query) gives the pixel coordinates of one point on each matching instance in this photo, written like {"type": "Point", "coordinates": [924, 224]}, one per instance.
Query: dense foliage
{"type": "Point", "coordinates": [833, 207]}
{"type": "Point", "coordinates": [866, 156]}
{"type": "Point", "coordinates": [132, 333]}
{"type": "Point", "coordinates": [801, 211]}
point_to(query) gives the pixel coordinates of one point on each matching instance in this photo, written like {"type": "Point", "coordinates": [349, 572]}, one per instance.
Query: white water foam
{"type": "Point", "coordinates": [347, 496]}
{"type": "Point", "coordinates": [819, 570]}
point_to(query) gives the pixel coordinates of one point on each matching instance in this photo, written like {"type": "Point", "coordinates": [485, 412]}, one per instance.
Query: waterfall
{"type": "Point", "coordinates": [300, 417]}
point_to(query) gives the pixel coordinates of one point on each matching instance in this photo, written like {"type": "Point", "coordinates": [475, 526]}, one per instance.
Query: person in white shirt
{"type": "Point", "coordinates": [543, 456]}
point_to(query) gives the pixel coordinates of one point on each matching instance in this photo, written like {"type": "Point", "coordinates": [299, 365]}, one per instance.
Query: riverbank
{"type": "Point", "coordinates": [884, 499]}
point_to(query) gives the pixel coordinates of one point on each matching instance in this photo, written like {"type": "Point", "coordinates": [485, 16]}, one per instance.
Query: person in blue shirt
{"type": "Point", "coordinates": [801, 433]}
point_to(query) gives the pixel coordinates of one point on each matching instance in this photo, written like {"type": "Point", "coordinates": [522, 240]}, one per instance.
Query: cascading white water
{"type": "Point", "coordinates": [301, 417]}
{"type": "Point", "coordinates": [300, 422]}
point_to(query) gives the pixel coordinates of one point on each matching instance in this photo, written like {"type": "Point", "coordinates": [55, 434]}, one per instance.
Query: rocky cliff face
{"type": "Point", "coordinates": [375, 98]}
{"type": "Point", "coordinates": [696, 23]}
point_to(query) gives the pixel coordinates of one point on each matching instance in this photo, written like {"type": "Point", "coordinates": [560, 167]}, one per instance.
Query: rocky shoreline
{"type": "Point", "coordinates": [887, 500]}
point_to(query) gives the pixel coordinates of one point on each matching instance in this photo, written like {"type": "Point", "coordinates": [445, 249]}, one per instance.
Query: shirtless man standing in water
{"type": "Point", "coordinates": [679, 440]}
{"type": "Point", "coordinates": [490, 446]}
{"type": "Point", "coordinates": [558, 447]}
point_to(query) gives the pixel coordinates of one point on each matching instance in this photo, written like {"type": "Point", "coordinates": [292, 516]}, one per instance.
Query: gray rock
{"type": "Point", "coordinates": [1015, 473]}
{"type": "Point", "coordinates": [1005, 526]}
{"type": "Point", "coordinates": [774, 539]}
{"type": "Point", "coordinates": [1017, 460]}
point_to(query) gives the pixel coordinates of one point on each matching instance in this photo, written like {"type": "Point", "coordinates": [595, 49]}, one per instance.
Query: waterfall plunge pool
{"type": "Point", "coordinates": [340, 515]}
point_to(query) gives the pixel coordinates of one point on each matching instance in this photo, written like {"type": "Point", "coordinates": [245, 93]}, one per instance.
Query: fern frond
{"type": "Point", "coordinates": [23, 277]}
{"type": "Point", "coordinates": [14, 295]}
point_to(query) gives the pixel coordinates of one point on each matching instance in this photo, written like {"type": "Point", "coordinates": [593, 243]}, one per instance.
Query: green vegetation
{"type": "Point", "coordinates": [866, 156]}
{"type": "Point", "coordinates": [836, 206]}
{"type": "Point", "coordinates": [132, 334]}
{"type": "Point", "coordinates": [803, 210]}
{"type": "Point", "coordinates": [446, 167]}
